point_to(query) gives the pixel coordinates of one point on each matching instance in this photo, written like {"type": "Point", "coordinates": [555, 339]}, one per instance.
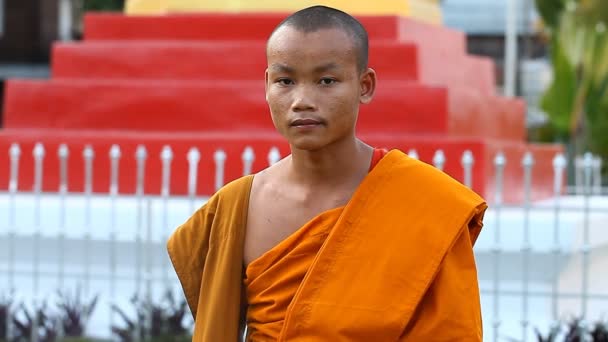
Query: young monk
{"type": "Point", "coordinates": [338, 241]}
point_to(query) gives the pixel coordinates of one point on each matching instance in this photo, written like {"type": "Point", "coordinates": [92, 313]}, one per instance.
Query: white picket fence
{"type": "Point", "coordinates": [537, 262]}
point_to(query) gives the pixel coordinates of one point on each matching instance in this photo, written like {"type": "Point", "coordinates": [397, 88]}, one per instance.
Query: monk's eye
{"type": "Point", "coordinates": [284, 81]}
{"type": "Point", "coordinates": [326, 81]}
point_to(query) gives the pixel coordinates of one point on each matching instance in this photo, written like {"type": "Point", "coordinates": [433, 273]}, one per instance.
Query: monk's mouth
{"type": "Point", "coordinates": [306, 123]}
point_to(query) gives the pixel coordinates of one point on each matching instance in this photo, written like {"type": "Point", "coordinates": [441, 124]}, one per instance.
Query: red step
{"type": "Point", "coordinates": [399, 107]}
{"type": "Point", "coordinates": [480, 71]}
{"type": "Point", "coordinates": [233, 144]}
{"type": "Point", "coordinates": [224, 61]}
{"type": "Point", "coordinates": [220, 27]}
{"type": "Point", "coordinates": [475, 114]}
{"type": "Point", "coordinates": [198, 60]}
{"type": "Point", "coordinates": [458, 70]}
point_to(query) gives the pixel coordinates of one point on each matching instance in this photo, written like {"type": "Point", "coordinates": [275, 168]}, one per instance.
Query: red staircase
{"type": "Point", "coordinates": [197, 80]}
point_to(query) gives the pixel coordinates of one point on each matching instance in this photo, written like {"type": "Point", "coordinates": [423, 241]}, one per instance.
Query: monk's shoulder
{"type": "Point", "coordinates": [235, 191]}
{"type": "Point", "coordinates": [417, 181]}
{"type": "Point", "coordinates": [232, 195]}
{"type": "Point", "coordinates": [267, 181]}
{"type": "Point", "coordinates": [430, 181]}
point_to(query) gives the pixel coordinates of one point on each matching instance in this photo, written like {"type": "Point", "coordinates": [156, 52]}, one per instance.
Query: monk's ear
{"type": "Point", "coordinates": [266, 83]}
{"type": "Point", "coordinates": [367, 85]}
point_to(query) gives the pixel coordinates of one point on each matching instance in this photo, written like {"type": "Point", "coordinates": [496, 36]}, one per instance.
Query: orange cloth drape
{"type": "Point", "coordinates": [397, 263]}
{"type": "Point", "coordinates": [273, 279]}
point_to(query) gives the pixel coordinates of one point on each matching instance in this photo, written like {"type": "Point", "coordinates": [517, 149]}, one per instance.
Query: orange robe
{"type": "Point", "coordinates": [397, 263]}
{"type": "Point", "coordinates": [273, 279]}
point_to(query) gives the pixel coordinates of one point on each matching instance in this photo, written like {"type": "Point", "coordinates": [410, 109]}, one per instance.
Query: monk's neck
{"type": "Point", "coordinates": [334, 164]}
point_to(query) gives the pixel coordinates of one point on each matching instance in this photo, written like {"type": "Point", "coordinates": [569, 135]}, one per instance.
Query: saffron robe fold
{"type": "Point", "coordinates": [397, 265]}
{"type": "Point", "coordinates": [273, 278]}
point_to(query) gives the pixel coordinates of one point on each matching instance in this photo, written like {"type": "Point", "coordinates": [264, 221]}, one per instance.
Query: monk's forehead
{"type": "Point", "coordinates": [289, 39]}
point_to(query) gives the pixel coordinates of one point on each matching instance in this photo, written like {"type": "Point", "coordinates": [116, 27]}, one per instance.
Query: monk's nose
{"type": "Point", "coordinates": [303, 100]}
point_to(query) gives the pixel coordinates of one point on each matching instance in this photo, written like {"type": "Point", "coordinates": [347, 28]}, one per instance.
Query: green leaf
{"type": "Point", "coordinates": [550, 11]}
{"type": "Point", "coordinates": [558, 101]}
{"type": "Point", "coordinates": [598, 65]}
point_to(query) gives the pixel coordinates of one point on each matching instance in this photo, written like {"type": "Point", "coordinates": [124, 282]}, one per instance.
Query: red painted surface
{"type": "Point", "coordinates": [481, 72]}
{"type": "Point", "coordinates": [399, 107]}
{"type": "Point", "coordinates": [454, 70]}
{"type": "Point", "coordinates": [475, 114]}
{"type": "Point", "coordinates": [223, 60]}
{"type": "Point", "coordinates": [221, 27]}
{"type": "Point", "coordinates": [106, 26]}
{"type": "Point", "coordinates": [507, 118]}
{"type": "Point", "coordinates": [201, 106]}
{"type": "Point", "coordinates": [439, 39]}
{"type": "Point", "coordinates": [200, 60]}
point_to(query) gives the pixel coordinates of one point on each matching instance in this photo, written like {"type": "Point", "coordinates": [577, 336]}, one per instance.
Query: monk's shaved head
{"type": "Point", "coordinates": [316, 18]}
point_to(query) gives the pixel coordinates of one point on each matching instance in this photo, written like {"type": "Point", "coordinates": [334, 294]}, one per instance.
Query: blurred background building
{"type": "Point", "coordinates": [485, 23]}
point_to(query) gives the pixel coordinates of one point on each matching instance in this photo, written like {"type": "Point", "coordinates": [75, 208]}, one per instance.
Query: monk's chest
{"type": "Point", "coordinates": [272, 220]}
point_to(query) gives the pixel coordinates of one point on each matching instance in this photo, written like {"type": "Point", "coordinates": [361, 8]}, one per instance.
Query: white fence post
{"type": "Point", "coordinates": [499, 166]}
{"type": "Point", "coordinates": [439, 160]}
{"type": "Point", "coordinates": [63, 153]}
{"type": "Point", "coordinates": [13, 186]}
{"type": "Point", "coordinates": [273, 156]}
{"type": "Point", "coordinates": [166, 157]}
{"type": "Point", "coordinates": [248, 158]}
{"type": "Point", "coordinates": [38, 153]}
{"type": "Point", "coordinates": [14, 155]}
{"type": "Point", "coordinates": [467, 164]}
{"type": "Point", "coordinates": [141, 154]}
{"type": "Point", "coordinates": [149, 272]}
{"type": "Point", "coordinates": [586, 248]}
{"type": "Point", "coordinates": [559, 166]}
{"type": "Point", "coordinates": [220, 160]}
{"type": "Point", "coordinates": [115, 155]}
{"type": "Point", "coordinates": [527, 163]}
{"type": "Point", "coordinates": [194, 157]}
{"type": "Point", "coordinates": [88, 155]}
{"type": "Point", "coordinates": [581, 164]}
{"type": "Point", "coordinates": [412, 153]}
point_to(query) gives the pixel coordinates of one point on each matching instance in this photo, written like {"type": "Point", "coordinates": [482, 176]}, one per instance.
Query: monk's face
{"type": "Point", "coordinates": [314, 86]}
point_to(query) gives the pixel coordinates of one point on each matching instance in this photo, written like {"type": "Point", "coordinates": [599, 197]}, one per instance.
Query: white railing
{"type": "Point", "coordinates": [537, 261]}
{"type": "Point", "coordinates": [592, 165]}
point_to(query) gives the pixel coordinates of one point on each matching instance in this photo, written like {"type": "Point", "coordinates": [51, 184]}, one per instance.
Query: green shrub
{"type": "Point", "coordinates": [154, 322]}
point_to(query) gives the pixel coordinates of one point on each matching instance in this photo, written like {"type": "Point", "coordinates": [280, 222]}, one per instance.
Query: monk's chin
{"type": "Point", "coordinates": [307, 144]}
